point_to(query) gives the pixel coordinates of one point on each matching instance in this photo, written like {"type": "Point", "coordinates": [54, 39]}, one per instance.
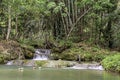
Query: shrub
{"type": "Point", "coordinates": [86, 57]}
{"type": "Point", "coordinates": [98, 57]}
{"type": "Point", "coordinates": [112, 63]}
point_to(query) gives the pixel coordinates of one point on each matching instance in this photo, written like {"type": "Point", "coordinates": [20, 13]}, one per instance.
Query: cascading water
{"type": "Point", "coordinates": [9, 63]}
{"type": "Point", "coordinates": [41, 54]}
{"type": "Point", "coordinates": [94, 66]}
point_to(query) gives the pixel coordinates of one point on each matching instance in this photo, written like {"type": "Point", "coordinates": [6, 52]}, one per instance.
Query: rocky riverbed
{"type": "Point", "coordinates": [56, 64]}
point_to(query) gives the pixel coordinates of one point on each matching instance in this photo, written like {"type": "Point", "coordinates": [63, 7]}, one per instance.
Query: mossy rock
{"type": "Point", "coordinates": [1, 49]}
{"type": "Point", "coordinates": [28, 51]}
{"type": "Point", "coordinates": [4, 58]}
{"type": "Point", "coordinates": [41, 63]}
{"type": "Point", "coordinates": [27, 47]}
{"type": "Point", "coordinates": [64, 56]}
{"type": "Point", "coordinates": [55, 64]}
{"type": "Point", "coordinates": [10, 50]}
{"type": "Point", "coordinates": [1, 58]}
{"type": "Point", "coordinates": [28, 54]}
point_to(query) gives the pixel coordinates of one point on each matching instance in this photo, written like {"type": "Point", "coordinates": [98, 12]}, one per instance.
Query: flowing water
{"type": "Point", "coordinates": [12, 73]}
{"type": "Point", "coordinates": [40, 57]}
{"type": "Point", "coordinates": [41, 54]}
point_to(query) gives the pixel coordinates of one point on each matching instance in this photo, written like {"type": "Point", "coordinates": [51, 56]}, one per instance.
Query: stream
{"type": "Point", "coordinates": [12, 73]}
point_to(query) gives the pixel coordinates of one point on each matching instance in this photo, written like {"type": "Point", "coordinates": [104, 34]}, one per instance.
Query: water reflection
{"type": "Point", "coordinates": [10, 73]}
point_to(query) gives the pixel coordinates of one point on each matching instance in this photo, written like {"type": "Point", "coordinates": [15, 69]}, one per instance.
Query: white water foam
{"type": "Point", "coordinates": [9, 63]}
{"type": "Point", "coordinates": [88, 67]}
{"type": "Point", "coordinates": [41, 54]}
{"type": "Point", "coordinates": [40, 57]}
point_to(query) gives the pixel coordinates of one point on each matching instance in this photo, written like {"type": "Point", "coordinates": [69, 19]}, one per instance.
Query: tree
{"type": "Point", "coordinates": [94, 21]}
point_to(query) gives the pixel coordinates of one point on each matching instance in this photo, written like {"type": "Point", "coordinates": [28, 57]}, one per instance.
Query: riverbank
{"type": "Point", "coordinates": [112, 63]}
{"type": "Point", "coordinates": [77, 52]}
{"type": "Point", "coordinates": [80, 52]}
{"type": "Point", "coordinates": [12, 50]}
{"type": "Point", "coordinates": [56, 64]}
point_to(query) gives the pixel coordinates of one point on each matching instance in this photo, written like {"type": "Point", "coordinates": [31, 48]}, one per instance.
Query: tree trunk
{"type": "Point", "coordinates": [9, 22]}
{"type": "Point", "coordinates": [16, 27]}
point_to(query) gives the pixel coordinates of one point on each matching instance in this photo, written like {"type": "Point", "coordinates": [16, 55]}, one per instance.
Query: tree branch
{"type": "Point", "coordinates": [74, 24]}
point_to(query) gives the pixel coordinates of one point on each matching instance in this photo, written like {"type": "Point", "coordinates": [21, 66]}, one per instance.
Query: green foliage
{"type": "Point", "coordinates": [51, 5]}
{"type": "Point", "coordinates": [65, 43]}
{"type": "Point", "coordinates": [84, 52]}
{"type": "Point", "coordinates": [2, 24]}
{"type": "Point", "coordinates": [1, 58]}
{"type": "Point", "coordinates": [29, 41]}
{"type": "Point", "coordinates": [112, 63]}
{"type": "Point", "coordinates": [59, 7]}
{"type": "Point", "coordinates": [61, 46]}
{"type": "Point", "coordinates": [36, 17]}
{"type": "Point", "coordinates": [49, 22]}
{"type": "Point", "coordinates": [85, 2]}
{"type": "Point", "coordinates": [41, 63]}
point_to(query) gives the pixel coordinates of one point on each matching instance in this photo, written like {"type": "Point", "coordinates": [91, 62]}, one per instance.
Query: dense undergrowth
{"type": "Point", "coordinates": [83, 52]}
{"type": "Point", "coordinates": [112, 63]}
{"type": "Point", "coordinates": [86, 53]}
{"type": "Point", "coordinates": [63, 50]}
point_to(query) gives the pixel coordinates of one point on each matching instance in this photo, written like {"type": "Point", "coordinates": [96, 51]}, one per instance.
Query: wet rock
{"type": "Point", "coordinates": [42, 63]}
{"type": "Point", "coordinates": [28, 54]}
{"type": "Point", "coordinates": [10, 50]}
{"type": "Point", "coordinates": [95, 66]}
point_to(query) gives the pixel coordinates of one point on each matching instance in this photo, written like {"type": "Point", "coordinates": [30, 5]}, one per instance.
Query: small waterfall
{"type": "Point", "coordinates": [9, 63]}
{"type": "Point", "coordinates": [41, 54]}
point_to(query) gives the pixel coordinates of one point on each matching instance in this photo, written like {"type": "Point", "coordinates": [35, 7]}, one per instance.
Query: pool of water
{"type": "Point", "coordinates": [12, 73]}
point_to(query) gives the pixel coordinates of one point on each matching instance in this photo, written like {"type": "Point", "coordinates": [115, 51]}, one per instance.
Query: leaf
{"type": "Point", "coordinates": [57, 9]}
{"type": "Point", "coordinates": [51, 5]}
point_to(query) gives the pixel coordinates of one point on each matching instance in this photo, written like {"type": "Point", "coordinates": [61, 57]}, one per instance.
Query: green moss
{"type": "Point", "coordinates": [1, 58]}
{"type": "Point", "coordinates": [41, 63]}
{"type": "Point", "coordinates": [31, 44]}
{"type": "Point", "coordinates": [64, 56]}
{"type": "Point", "coordinates": [27, 47]}
{"type": "Point", "coordinates": [61, 63]}
{"type": "Point", "coordinates": [112, 63]}
{"type": "Point", "coordinates": [85, 52]}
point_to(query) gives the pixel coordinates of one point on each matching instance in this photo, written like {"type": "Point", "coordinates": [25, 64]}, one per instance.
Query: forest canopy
{"type": "Point", "coordinates": [94, 21]}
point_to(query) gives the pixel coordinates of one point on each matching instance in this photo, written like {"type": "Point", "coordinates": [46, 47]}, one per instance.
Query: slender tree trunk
{"type": "Point", "coordinates": [16, 27]}
{"type": "Point", "coordinates": [78, 19]}
{"type": "Point", "coordinates": [9, 22]}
